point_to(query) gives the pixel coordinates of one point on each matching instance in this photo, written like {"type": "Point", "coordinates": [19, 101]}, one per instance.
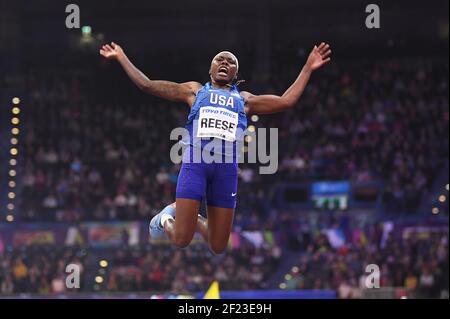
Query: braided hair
{"type": "Point", "coordinates": [236, 82]}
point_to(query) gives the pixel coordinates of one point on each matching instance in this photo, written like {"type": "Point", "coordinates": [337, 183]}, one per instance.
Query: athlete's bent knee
{"type": "Point", "coordinates": [182, 241]}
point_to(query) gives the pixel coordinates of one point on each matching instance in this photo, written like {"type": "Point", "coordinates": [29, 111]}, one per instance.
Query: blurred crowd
{"type": "Point", "coordinates": [370, 121]}
{"type": "Point", "coordinates": [191, 270]}
{"type": "Point", "coordinates": [38, 269]}
{"type": "Point", "coordinates": [90, 154]}
{"type": "Point", "coordinates": [156, 268]}
{"type": "Point", "coordinates": [305, 254]}
{"type": "Point", "coordinates": [418, 264]}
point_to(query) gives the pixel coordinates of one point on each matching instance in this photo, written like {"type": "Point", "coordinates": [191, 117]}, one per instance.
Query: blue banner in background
{"type": "Point", "coordinates": [329, 188]}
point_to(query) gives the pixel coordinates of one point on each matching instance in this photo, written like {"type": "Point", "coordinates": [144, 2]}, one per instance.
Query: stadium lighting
{"type": "Point", "coordinates": [99, 279]}
{"type": "Point", "coordinates": [16, 100]}
{"type": "Point", "coordinates": [103, 263]}
{"type": "Point", "coordinates": [86, 30]}
{"type": "Point", "coordinates": [255, 118]}
{"type": "Point", "coordinates": [248, 139]}
{"type": "Point", "coordinates": [251, 128]}
{"type": "Point", "coordinates": [295, 269]}
{"type": "Point", "coordinates": [283, 286]}
{"type": "Point", "coordinates": [442, 198]}
{"type": "Point", "coordinates": [12, 161]}
{"type": "Point", "coordinates": [288, 277]}
{"type": "Point", "coordinates": [435, 210]}
{"type": "Point", "coordinates": [446, 187]}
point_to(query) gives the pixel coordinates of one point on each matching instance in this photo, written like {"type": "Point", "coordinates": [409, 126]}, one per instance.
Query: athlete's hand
{"type": "Point", "coordinates": [113, 51]}
{"type": "Point", "coordinates": [318, 56]}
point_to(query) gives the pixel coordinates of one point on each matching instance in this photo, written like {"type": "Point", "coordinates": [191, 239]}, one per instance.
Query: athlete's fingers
{"type": "Point", "coordinates": [102, 52]}
{"type": "Point", "coordinates": [325, 48]}
{"type": "Point", "coordinates": [109, 48]}
{"type": "Point", "coordinates": [321, 46]}
{"type": "Point", "coordinates": [324, 55]}
{"type": "Point", "coordinates": [326, 60]}
{"type": "Point", "coordinates": [113, 45]}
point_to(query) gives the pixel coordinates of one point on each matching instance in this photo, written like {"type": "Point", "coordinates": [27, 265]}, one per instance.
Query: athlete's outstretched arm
{"type": "Point", "coordinates": [265, 104]}
{"type": "Point", "coordinates": [177, 92]}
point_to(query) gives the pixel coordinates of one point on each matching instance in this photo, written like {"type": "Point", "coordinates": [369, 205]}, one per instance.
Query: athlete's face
{"type": "Point", "coordinates": [224, 67]}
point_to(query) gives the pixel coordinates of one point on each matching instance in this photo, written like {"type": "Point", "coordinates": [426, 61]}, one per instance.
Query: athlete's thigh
{"type": "Point", "coordinates": [222, 186]}
{"type": "Point", "coordinates": [191, 183]}
{"type": "Point", "coordinates": [191, 189]}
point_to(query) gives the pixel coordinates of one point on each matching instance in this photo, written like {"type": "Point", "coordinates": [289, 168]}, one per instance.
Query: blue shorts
{"type": "Point", "coordinates": [215, 181]}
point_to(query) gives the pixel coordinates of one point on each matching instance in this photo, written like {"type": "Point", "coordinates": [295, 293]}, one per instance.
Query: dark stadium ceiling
{"type": "Point", "coordinates": [320, 9]}
{"type": "Point", "coordinates": [301, 18]}
{"type": "Point", "coordinates": [204, 24]}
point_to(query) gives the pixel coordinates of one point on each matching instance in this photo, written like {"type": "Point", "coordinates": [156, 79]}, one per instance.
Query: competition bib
{"type": "Point", "coordinates": [217, 122]}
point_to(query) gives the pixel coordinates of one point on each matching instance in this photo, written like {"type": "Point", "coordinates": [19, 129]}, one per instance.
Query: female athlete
{"type": "Point", "coordinates": [217, 112]}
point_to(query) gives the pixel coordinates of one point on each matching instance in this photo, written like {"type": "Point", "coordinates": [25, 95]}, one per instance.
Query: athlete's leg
{"type": "Point", "coordinates": [184, 237]}
{"type": "Point", "coordinates": [221, 200]}
{"type": "Point", "coordinates": [202, 227]}
{"type": "Point", "coordinates": [179, 220]}
{"type": "Point", "coordinates": [181, 230]}
{"type": "Point", "coordinates": [220, 222]}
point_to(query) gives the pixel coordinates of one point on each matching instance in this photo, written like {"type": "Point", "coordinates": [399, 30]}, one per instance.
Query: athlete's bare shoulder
{"type": "Point", "coordinates": [193, 87]}
{"type": "Point", "coordinates": [245, 94]}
